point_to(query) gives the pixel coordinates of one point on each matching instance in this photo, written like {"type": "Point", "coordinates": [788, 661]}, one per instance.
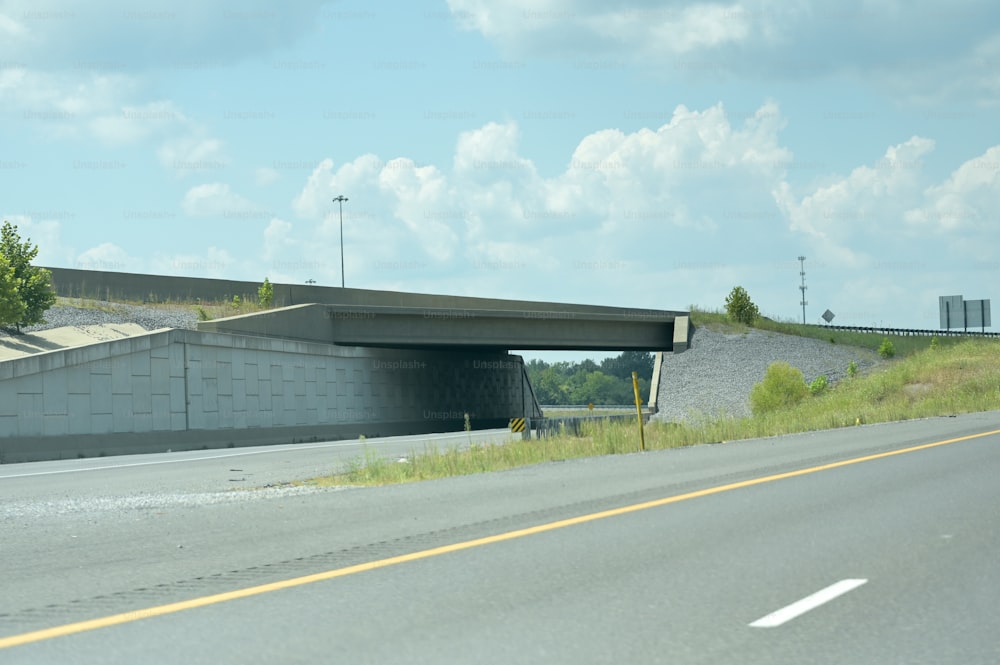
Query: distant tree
{"type": "Point", "coordinates": [265, 294]}
{"type": "Point", "coordinates": [587, 382]}
{"type": "Point", "coordinates": [623, 365]}
{"type": "Point", "coordinates": [740, 308]}
{"type": "Point", "coordinates": [599, 388]}
{"type": "Point", "coordinates": [33, 284]}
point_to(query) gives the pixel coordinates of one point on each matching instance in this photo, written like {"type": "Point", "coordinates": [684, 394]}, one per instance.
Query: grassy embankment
{"type": "Point", "coordinates": [958, 376]}
{"type": "Point", "coordinates": [205, 311]}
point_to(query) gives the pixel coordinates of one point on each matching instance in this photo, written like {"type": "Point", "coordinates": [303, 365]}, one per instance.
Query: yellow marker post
{"type": "Point", "coordinates": [638, 410]}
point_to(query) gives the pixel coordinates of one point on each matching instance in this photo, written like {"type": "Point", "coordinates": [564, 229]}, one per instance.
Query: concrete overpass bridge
{"type": "Point", "coordinates": [452, 322]}
{"type": "Point", "coordinates": [356, 362]}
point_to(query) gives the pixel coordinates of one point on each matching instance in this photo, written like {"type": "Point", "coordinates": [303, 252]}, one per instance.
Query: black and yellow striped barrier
{"type": "Point", "coordinates": [517, 424]}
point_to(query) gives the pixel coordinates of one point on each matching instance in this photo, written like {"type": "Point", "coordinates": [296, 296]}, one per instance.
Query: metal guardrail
{"type": "Point", "coordinates": [586, 407]}
{"type": "Point", "coordinates": [913, 332]}
{"type": "Point", "coordinates": [573, 425]}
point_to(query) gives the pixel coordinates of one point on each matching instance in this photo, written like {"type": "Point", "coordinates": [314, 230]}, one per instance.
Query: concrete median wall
{"type": "Point", "coordinates": [180, 389]}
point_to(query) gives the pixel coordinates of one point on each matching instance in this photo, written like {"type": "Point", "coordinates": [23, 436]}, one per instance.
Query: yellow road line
{"type": "Point", "coordinates": [204, 601]}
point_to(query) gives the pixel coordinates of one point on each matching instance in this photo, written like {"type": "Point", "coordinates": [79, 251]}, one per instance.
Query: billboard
{"type": "Point", "coordinates": [951, 312]}
{"type": "Point", "coordinates": [959, 313]}
{"type": "Point", "coordinates": [977, 313]}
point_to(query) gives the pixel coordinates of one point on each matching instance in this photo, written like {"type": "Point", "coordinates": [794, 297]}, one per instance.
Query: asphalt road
{"type": "Point", "coordinates": [712, 554]}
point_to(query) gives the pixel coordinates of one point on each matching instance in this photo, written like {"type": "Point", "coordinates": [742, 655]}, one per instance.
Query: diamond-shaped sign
{"type": "Point", "coordinates": [828, 316]}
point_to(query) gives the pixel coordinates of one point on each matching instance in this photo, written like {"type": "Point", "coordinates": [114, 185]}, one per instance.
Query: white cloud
{"type": "Point", "coordinates": [213, 262]}
{"type": "Point", "coordinates": [265, 176]}
{"type": "Point", "coordinates": [493, 216]}
{"type": "Point", "coordinates": [109, 257]}
{"type": "Point", "coordinates": [192, 156]}
{"type": "Point", "coordinates": [11, 28]}
{"type": "Point", "coordinates": [45, 233]}
{"type": "Point", "coordinates": [959, 215]}
{"type": "Point", "coordinates": [868, 202]}
{"type": "Point", "coordinates": [931, 53]}
{"type": "Point", "coordinates": [122, 36]}
{"type": "Point", "coordinates": [135, 123]}
{"type": "Point", "coordinates": [279, 239]}
{"type": "Point", "coordinates": [218, 200]}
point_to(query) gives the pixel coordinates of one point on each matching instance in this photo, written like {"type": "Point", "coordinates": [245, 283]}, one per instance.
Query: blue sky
{"type": "Point", "coordinates": [635, 153]}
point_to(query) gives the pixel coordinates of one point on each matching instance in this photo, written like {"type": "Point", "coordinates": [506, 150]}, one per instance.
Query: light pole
{"type": "Point", "coordinates": [340, 199]}
{"type": "Point", "coordinates": [804, 302]}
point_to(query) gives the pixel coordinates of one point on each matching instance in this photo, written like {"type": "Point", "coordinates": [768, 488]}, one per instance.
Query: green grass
{"type": "Point", "coordinates": [204, 310]}
{"type": "Point", "coordinates": [904, 344]}
{"type": "Point", "coordinates": [963, 377]}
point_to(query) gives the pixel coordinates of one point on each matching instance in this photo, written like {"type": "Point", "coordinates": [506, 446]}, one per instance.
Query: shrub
{"type": "Point", "coordinates": [934, 343]}
{"type": "Point", "coordinates": [202, 314]}
{"type": "Point", "coordinates": [265, 294]}
{"type": "Point", "coordinates": [740, 308]}
{"type": "Point", "coordinates": [852, 369]}
{"type": "Point", "coordinates": [783, 386]}
{"type": "Point", "coordinates": [819, 384]}
{"type": "Point", "coordinates": [236, 302]}
{"type": "Point", "coordinates": [886, 349]}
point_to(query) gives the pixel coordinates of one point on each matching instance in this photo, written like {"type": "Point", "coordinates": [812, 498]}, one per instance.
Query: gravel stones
{"type": "Point", "coordinates": [714, 377]}
{"type": "Point", "coordinates": [96, 313]}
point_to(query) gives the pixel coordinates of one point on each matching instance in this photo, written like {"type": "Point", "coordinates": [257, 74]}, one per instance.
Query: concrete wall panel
{"type": "Point", "coordinates": [127, 388]}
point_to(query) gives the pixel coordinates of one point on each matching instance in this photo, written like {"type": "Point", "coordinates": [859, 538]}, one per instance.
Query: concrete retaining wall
{"type": "Point", "coordinates": [180, 389]}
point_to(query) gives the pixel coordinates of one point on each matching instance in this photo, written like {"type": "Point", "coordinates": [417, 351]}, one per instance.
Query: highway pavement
{"type": "Point", "coordinates": [873, 544]}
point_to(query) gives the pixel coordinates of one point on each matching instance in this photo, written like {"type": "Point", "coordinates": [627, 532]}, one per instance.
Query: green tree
{"type": "Point", "coordinates": [623, 365]}
{"type": "Point", "coordinates": [740, 308]}
{"type": "Point", "coordinates": [265, 294]}
{"type": "Point", "coordinates": [599, 388]}
{"type": "Point", "coordinates": [33, 284]}
{"type": "Point", "coordinates": [11, 305]}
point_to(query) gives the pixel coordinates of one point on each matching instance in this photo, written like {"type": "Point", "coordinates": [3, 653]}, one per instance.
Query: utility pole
{"type": "Point", "coordinates": [340, 199]}
{"type": "Point", "coordinates": [802, 272]}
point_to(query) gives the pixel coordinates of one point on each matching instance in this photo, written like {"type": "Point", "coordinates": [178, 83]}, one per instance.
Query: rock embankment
{"type": "Point", "coordinates": [716, 374]}
{"type": "Point", "coordinates": [97, 313]}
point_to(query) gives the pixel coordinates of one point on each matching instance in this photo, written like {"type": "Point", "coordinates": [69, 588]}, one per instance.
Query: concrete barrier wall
{"type": "Point", "coordinates": [182, 389]}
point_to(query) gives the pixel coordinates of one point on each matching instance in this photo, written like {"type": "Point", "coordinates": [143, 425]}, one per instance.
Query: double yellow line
{"type": "Point", "coordinates": [214, 599]}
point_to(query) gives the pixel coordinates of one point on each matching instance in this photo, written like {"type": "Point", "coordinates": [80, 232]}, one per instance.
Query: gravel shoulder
{"type": "Point", "coordinates": [715, 375]}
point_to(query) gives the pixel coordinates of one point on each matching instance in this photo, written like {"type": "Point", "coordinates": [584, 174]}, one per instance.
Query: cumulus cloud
{"type": "Point", "coordinates": [965, 202]}
{"type": "Point", "coordinates": [217, 200]}
{"type": "Point", "coordinates": [869, 201]}
{"type": "Point", "coordinates": [190, 155]}
{"type": "Point", "coordinates": [495, 217]}
{"type": "Point", "coordinates": [265, 176]}
{"type": "Point", "coordinates": [109, 257]}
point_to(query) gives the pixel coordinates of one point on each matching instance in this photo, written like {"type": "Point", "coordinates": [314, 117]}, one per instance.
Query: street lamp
{"type": "Point", "coordinates": [340, 199]}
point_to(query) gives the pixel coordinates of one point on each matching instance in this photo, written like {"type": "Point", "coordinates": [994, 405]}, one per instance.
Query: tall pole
{"type": "Point", "coordinates": [340, 200]}
{"type": "Point", "coordinates": [802, 272]}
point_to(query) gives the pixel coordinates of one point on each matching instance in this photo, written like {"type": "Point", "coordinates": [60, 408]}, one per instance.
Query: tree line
{"type": "Point", "coordinates": [588, 382]}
